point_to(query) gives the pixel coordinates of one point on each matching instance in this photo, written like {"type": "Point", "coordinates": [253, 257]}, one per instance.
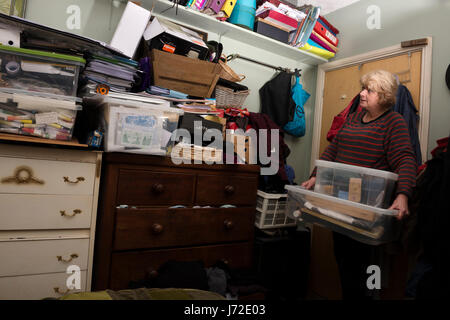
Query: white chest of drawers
{"type": "Point", "coordinates": [48, 206]}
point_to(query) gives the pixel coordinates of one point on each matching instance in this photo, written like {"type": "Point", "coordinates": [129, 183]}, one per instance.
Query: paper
{"type": "Point", "coordinates": [46, 118]}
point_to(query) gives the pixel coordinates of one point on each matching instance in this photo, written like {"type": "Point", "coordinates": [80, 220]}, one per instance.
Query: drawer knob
{"type": "Point", "coordinates": [72, 256]}
{"type": "Point", "coordinates": [75, 212]}
{"type": "Point", "coordinates": [229, 189]}
{"type": "Point", "coordinates": [79, 179]}
{"type": "Point", "coordinates": [228, 224]}
{"type": "Point", "coordinates": [158, 188]}
{"type": "Point", "coordinates": [22, 175]}
{"type": "Point", "coordinates": [157, 228]}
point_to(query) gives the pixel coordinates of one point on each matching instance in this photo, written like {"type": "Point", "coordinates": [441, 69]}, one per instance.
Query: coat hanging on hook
{"type": "Point", "coordinates": [276, 99]}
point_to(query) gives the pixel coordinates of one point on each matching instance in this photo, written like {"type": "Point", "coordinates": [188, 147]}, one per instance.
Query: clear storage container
{"type": "Point", "coordinates": [137, 126]}
{"type": "Point", "coordinates": [270, 211]}
{"type": "Point", "coordinates": [361, 222]}
{"type": "Point", "coordinates": [38, 114]}
{"type": "Point", "coordinates": [39, 71]}
{"type": "Point", "coordinates": [363, 185]}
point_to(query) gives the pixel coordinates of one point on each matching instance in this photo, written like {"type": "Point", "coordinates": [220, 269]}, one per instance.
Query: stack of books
{"type": "Point", "coordinates": [300, 27]}
{"type": "Point", "coordinates": [323, 39]}
{"type": "Point", "coordinates": [118, 73]}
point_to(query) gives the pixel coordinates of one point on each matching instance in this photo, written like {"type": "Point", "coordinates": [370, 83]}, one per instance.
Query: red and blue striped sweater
{"type": "Point", "coordinates": [382, 144]}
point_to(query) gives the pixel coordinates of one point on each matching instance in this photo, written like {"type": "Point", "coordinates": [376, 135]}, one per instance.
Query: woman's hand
{"type": "Point", "coordinates": [309, 184]}
{"type": "Point", "coordinates": [401, 204]}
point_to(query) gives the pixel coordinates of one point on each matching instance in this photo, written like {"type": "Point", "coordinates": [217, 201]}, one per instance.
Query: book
{"type": "Point", "coordinates": [279, 19]}
{"type": "Point", "coordinates": [318, 51]}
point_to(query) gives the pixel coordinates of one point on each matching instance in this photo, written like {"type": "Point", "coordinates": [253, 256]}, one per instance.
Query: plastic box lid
{"type": "Point", "coordinates": [155, 104]}
{"type": "Point", "coordinates": [357, 169]}
{"type": "Point", "coordinates": [43, 54]}
{"type": "Point", "coordinates": [303, 191]}
{"type": "Point", "coordinates": [40, 99]}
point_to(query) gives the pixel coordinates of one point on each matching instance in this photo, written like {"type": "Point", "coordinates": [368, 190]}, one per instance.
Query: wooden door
{"type": "Point", "coordinates": [341, 86]}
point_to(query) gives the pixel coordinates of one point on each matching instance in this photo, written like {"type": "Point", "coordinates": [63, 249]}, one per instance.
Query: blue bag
{"type": "Point", "coordinates": [296, 127]}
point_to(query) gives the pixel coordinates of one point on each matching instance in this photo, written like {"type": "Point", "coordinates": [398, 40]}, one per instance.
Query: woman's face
{"type": "Point", "coordinates": [369, 99]}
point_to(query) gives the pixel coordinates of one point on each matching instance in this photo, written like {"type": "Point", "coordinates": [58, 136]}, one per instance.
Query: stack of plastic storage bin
{"type": "Point", "coordinates": [142, 126]}
{"type": "Point", "coordinates": [350, 200]}
{"type": "Point", "coordinates": [38, 92]}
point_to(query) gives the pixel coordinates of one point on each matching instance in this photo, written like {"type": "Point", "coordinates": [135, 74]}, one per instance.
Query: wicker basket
{"type": "Point", "coordinates": [228, 74]}
{"type": "Point", "coordinates": [226, 97]}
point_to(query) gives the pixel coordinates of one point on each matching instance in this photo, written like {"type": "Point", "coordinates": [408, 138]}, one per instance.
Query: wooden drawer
{"type": "Point", "coordinates": [140, 187]}
{"type": "Point", "coordinates": [36, 287]}
{"type": "Point", "coordinates": [226, 189]}
{"type": "Point", "coordinates": [42, 256]}
{"type": "Point", "coordinates": [133, 266]}
{"type": "Point", "coordinates": [152, 228]}
{"type": "Point", "coordinates": [33, 212]}
{"type": "Point", "coordinates": [46, 177]}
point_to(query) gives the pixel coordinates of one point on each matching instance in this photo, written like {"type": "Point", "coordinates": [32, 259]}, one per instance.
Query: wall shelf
{"type": "Point", "coordinates": [202, 21]}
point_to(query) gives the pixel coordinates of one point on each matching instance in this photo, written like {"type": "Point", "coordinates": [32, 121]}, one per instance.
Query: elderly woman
{"type": "Point", "coordinates": [378, 138]}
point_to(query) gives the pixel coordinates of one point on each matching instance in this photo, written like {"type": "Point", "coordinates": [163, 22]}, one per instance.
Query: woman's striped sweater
{"type": "Point", "coordinates": [382, 144]}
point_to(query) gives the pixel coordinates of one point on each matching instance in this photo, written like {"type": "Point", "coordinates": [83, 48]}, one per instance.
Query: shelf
{"type": "Point", "coordinates": [202, 21]}
{"type": "Point", "coordinates": [30, 139]}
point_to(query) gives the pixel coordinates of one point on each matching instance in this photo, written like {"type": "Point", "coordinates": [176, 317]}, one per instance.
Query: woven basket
{"type": "Point", "coordinates": [226, 97]}
{"type": "Point", "coordinates": [228, 74]}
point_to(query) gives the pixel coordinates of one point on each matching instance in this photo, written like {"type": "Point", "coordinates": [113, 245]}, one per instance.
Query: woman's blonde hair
{"type": "Point", "coordinates": [384, 83]}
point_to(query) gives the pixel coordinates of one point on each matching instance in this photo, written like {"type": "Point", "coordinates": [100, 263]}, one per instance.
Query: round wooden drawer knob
{"type": "Point", "coordinates": [158, 188]}
{"type": "Point", "coordinates": [228, 224]}
{"type": "Point", "coordinates": [157, 228]}
{"type": "Point", "coordinates": [229, 189]}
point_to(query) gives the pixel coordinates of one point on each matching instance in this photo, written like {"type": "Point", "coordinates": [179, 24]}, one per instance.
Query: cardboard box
{"type": "Point", "coordinates": [271, 30]}
{"type": "Point", "coordinates": [168, 36]}
{"type": "Point", "coordinates": [191, 76]}
{"type": "Point", "coordinates": [129, 31]}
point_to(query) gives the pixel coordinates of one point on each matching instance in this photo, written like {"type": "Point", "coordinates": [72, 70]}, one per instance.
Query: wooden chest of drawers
{"type": "Point", "coordinates": [48, 207]}
{"type": "Point", "coordinates": [138, 231]}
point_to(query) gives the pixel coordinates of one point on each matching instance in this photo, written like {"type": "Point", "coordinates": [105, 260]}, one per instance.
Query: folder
{"type": "Point", "coordinates": [318, 51]}
{"type": "Point", "coordinates": [216, 5]}
{"type": "Point", "coordinates": [326, 26]}
{"type": "Point", "coordinates": [228, 7]}
{"type": "Point", "coordinates": [320, 29]}
{"type": "Point", "coordinates": [308, 26]}
{"type": "Point", "coordinates": [199, 4]}
{"type": "Point", "coordinates": [320, 40]}
{"type": "Point", "coordinates": [329, 25]}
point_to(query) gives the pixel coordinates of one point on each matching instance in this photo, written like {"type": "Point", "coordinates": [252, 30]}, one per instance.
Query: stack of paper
{"type": "Point", "coordinates": [119, 74]}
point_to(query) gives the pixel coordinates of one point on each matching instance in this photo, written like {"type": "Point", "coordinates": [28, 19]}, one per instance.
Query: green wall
{"type": "Point", "coordinates": [403, 20]}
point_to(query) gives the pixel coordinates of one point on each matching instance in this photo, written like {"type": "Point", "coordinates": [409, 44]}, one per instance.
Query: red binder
{"type": "Point", "coordinates": [333, 29]}
{"type": "Point", "coordinates": [320, 29]}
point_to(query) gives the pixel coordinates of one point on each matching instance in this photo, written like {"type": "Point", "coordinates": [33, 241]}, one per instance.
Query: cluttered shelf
{"type": "Point", "coordinates": [166, 9]}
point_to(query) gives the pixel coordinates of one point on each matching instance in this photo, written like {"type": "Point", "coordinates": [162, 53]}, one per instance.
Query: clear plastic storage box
{"type": "Point", "coordinates": [363, 185]}
{"type": "Point", "coordinates": [39, 71]}
{"type": "Point", "coordinates": [270, 211]}
{"type": "Point", "coordinates": [139, 126]}
{"type": "Point", "coordinates": [361, 222]}
{"type": "Point", "coordinates": [38, 114]}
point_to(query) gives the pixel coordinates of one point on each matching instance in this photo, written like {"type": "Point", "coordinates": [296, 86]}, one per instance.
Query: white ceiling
{"type": "Point", "coordinates": [326, 6]}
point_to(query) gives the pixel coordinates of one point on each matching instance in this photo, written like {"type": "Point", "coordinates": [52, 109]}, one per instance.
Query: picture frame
{"type": "Point", "coordinates": [13, 7]}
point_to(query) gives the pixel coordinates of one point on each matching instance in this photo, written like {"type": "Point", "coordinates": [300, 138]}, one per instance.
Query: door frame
{"type": "Point", "coordinates": [425, 89]}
